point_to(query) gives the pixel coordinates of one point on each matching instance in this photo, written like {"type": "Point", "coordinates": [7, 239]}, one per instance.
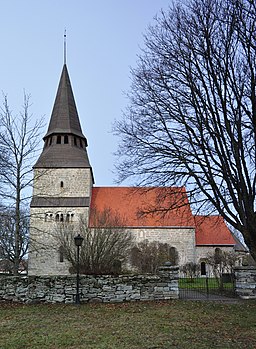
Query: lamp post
{"type": "Point", "coordinates": [78, 242]}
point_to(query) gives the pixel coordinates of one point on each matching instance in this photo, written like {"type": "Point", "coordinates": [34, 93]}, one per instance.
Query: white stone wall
{"type": "Point", "coordinates": [77, 182]}
{"type": "Point", "coordinates": [183, 239]}
{"type": "Point", "coordinates": [203, 251]}
{"type": "Point", "coordinates": [44, 255]}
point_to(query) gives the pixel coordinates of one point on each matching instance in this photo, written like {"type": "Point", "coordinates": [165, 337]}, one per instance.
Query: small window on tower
{"type": "Point", "coordinates": [66, 139]}
{"type": "Point", "coordinates": [61, 254]}
{"type": "Point", "coordinates": [61, 184]}
{"type": "Point", "coordinates": [58, 139]}
{"type": "Point", "coordinates": [75, 141]}
{"type": "Point", "coordinates": [50, 142]}
{"type": "Point", "coordinates": [81, 143]}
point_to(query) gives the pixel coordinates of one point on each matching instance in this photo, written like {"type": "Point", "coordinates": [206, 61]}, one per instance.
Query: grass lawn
{"type": "Point", "coordinates": [201, 283]}
{"type": "Point", "coordinates": [149, 325]}
{"type": "Point", "coordinates": [204, 285]}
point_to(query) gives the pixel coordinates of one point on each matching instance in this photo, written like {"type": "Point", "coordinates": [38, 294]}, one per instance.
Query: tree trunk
{"type": "Point", "coordinates": [249, 237]}
{"type": "Point", "coordinates": [252, 249]}
{"type": "Point", "coordinates": [17, 228]}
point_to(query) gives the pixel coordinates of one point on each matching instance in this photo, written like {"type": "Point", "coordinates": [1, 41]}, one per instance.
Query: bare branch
{"type": "Point", "coordinates": [19, 143]}
{"type": "Point", "coordinates": [192, 113]}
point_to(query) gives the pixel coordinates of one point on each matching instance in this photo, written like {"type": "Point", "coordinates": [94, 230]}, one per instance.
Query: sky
{"type": "Point", "coordinates": [103, 40]}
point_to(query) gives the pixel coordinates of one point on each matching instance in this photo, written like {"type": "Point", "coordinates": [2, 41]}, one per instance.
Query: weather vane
{"type": "Point", "coordinates": [65, 46]}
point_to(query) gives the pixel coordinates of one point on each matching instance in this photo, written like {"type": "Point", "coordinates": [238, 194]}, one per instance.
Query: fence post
{"type": "Point", "coordinates": [207, 286]}
{"type": "Point", "coordinates": [170, 274]}
{"type": "Point", "coordinates": [245, 282]}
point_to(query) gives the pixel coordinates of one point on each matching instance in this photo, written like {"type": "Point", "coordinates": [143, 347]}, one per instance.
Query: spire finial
{"type": "Point", "coordinates": [65, 46]}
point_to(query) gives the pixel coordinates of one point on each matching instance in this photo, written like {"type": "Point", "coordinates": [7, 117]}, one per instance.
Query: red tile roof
{"type": "Point", "coordinates": [212, 230]}
{"type": "Point", "coordinates": [131, 204]}
{"type": "Point", "coordinates": [137, 208]}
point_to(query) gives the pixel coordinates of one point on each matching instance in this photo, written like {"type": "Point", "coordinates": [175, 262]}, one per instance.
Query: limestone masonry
{"type": "Point", "coordinates": [64, 193]}
{"type": "Point", "coordinates": [62, 289]}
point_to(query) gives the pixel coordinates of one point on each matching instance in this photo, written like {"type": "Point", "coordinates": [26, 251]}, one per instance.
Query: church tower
{"type": "Point", "coordinates": [62, 186]}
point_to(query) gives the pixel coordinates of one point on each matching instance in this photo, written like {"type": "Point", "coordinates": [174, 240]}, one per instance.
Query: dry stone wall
{"type": "Point", "coordinates": [246, 282]}
{"type": "Point", "coordinates": [62, 289]}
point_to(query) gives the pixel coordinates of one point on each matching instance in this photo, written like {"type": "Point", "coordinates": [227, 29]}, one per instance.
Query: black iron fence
{"type": "Point", "coordinates": [206, 287]}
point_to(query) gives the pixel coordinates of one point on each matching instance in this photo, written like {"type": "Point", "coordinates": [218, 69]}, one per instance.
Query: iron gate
{"type": "Point", "coordinates": [206, 287]}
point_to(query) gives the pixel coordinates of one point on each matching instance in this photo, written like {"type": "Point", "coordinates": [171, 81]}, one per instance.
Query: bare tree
{"type": "Point", "coordinates": [192, 114]}
{"type": "Point", "coordinates": [106, 244]}
{"type": "Point", "coordinates": [7, 237]}
{"type": "Point", "coordinates": [222, 262]}
{"type": "Point", "coordinates": [19, 140]}
{"type": "Point", "coordinates": [191, 270]}
{"type": "Point", "coordinates": [147, 256]}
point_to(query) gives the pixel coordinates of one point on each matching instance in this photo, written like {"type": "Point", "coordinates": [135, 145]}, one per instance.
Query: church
{"type": "Point", "coordinates": [64, 191]}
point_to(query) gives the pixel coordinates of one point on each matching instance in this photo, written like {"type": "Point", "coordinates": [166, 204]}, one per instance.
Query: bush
{"type": "Point", "coordinates": [147, 256]}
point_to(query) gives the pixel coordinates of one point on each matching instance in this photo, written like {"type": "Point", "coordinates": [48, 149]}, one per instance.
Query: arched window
{"type": "Point", "coordinates": [203, 268]}
{"type": "Point", "coordinates": [61, 184]}
{"type": "Point", "coordinates": [67, 217]}
{"type": "Point", "coordinates": [46, 217]}
{"type": "Point", "coordinates": [61, 217]}
{"type": "Point", "coordinates": [66, 139]}
{"type": "Point", "coordinates": [173, 256]}
{"type": "Point", "coordinates": [72, 217]}
{"type": "Point", "coordinates": [57, 217]}
{"type": "Point", "coordinates": [217, 255]}
{"type": "Point", "coordinates": [58, 139]}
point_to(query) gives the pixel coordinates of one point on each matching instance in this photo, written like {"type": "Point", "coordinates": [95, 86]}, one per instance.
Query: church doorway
{"type": "Point", "coordinates": [203, 268]}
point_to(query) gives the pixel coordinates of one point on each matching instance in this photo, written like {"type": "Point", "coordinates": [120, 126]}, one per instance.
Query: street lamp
{"type": "Point", "coordinates": [78, 242]}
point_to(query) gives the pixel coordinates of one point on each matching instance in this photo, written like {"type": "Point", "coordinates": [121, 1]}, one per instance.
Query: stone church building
{"type": "Point", "coordinates": [64, 191]}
